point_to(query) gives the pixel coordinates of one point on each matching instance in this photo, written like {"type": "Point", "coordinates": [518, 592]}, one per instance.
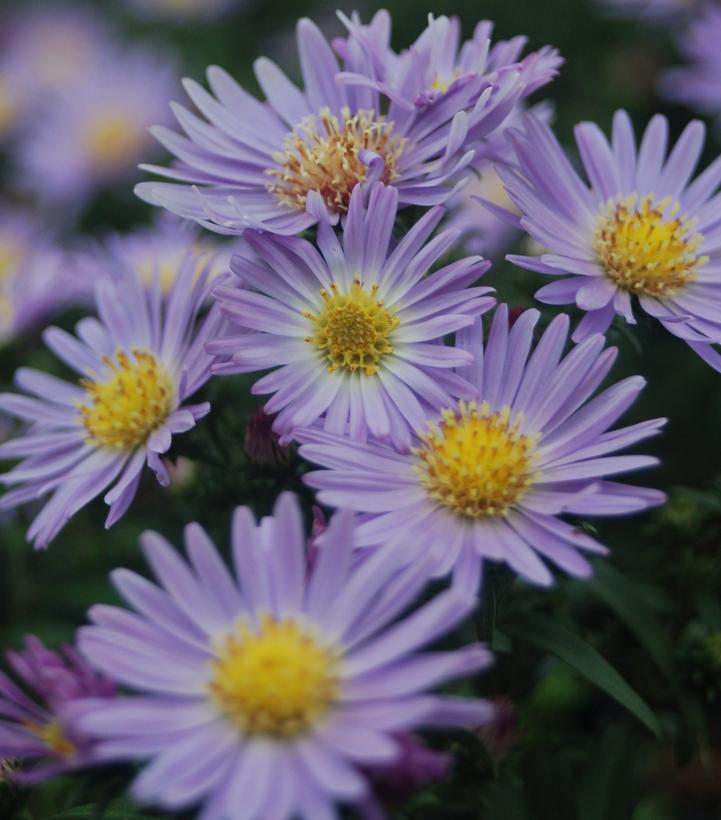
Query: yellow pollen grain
{"type": "Point", "coordinates": [51, 735]}
{"type": "Point", "coordinates": [476, 462]}
{"type": "Point", "coordinates": [125, 409]}
{"type": "Point", "coordinates": [278, 681]}
{"type": "Point", "coordinates": [352, 330]}
{"type": "Point", "coordinates": [646, 248]}
{"type": "Point", "coordinates": [113, 140]}
{"type": "Point", "coordinates": [442, 83]}
{"type": "Point", "coordinates": [321, 154]}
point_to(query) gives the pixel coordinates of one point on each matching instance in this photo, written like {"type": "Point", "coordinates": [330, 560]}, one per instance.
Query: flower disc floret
{"type": "Point", "coordinates": [353, 329]}
{"type": "Point", "coordinates": [476, 462]}
{"type": "Point", "coordinates": [278, 680]}
{"type": "Point", "coordinates": [647, 248]}
{"type": "Point", "coordinates": [323, 154]}
{"type": "Point", "coordinates": [126, 408]}
{"type": "Point", "coordinates": [53, 737]}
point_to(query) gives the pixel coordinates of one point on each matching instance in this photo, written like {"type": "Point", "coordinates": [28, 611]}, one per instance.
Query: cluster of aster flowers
{"type": "Point", "coordinates": [448, 431]}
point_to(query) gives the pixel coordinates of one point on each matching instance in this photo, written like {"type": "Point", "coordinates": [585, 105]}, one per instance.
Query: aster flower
{"type": "Point", "coordinates": [97, 133]}
{"type": "Point", "coordinates": [269, 691]}
{"type": "Point", "coordinates": [154, 250]}
{"type": "Point", "coordinates": [38, 727]}
{"type": "Point", "coordinates": [640, 229]}
{"type": "Point", "coordinates": [140, 362]}
{"type": "Point", "coordinates": [489, 479]}
{"type": "Point", "coordinates": [356, 330]}
{"type": "Point", "coordinates": [438, 66]}
{"type": "Point", "coordinates": [696, 84]}
{"type": "Point", "coordinates": [284, 165]}
{"type": "Point", "coordinates": [35, 281]}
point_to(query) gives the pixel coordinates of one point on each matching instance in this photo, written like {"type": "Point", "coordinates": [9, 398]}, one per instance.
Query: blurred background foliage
{"type": "Point", "coordinates": [610, 690]}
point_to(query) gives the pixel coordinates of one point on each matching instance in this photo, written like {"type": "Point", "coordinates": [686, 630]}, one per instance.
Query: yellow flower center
{"type": "Point", "coordinates": [441, 83]}
{"type": "Point", "coordinates": [476, 462]}
{"type": "Point", "coordinates": [8, 106]}
{"type": "Point", "coordinates": [321, 154]}
{"type": "Point", "coordinates": [11, 253]}
{"type": "Point", "coordinates": [278, 681]}
{"type": "Point", "coordinates": [51, 734]}
{"type": "Point", "coordinates": [352, 330]}
{"type": "Point", "coordinates": [137, 398]}
{"type": "Point", "coordinates": [647, 249]}
{"type": "Point", "coordinates": [113, 139]}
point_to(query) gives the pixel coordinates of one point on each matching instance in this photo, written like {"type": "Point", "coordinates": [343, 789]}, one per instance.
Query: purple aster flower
{"type": "Point", "coordinates": [284, 165]}
{"type": "Point", "coordinates": [35, 281]}
{"type": "Point", "coordinates": [659, 10]}
{"type": "Point", "coordinates": [355, 330]}
{"type": "Point", "coordinates": [270, 692]}
{"type": "Point", "coordinates": [96, 133]}
{"type": "Point", "coordinates": [490, 478]}
{"type": "Point", "coordinates": [140, 362]}
{"type": "Point", "coordinates": [39, 727]}
{"type": "Point", "coordinates": [640, 229]}
{"type": "Point", "coordinates": [438, 66]}
{"type": "Point", "coordinates": [696, 84]}
{"type": "Point", "coordinates": [154, 250]}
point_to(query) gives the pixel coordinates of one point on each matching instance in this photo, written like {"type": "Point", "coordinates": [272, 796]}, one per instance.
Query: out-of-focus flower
{"type": "Point", "coordinates": [98, 132]}
{"type": "Point", "coordinates": [696, 84]}
{"type": "Point", "coordinates": [35, 280]}
{"type": "Point", "coordinates": [640, 229]}
{"type": "Point", "coordinates": [11, 102]}
{"type": "Point", "coordinates": [139, 363]}
{"type": "Point", "coordinates": [659, 10]}
{"type": "Point", "coordinates": [490, 478]}
{"type": "Point", "coordinates": [156, 251]}
{"type": "Point", "coordinates": [262, 444]}
{"type": "Point", "coordinates": [356, 330]}
{"type": "Point", "coordinates": [39, 728]}
{"type": "Point", "coordinates": [271, 690]}
{"type": "Point", "coordinates": [438, 66]}
{"type": "Point", "coordinates": [183, 11]}
{"type": "Point", "coordinates": [284, 165]}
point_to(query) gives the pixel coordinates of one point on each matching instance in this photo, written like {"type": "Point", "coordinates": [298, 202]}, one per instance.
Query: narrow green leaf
{"type": "Point", "coordinates": [117, 810]}
{"type": "Point", "coordinates": [624, 597]}
{"type": "Point", "coordinates": [550, 636]}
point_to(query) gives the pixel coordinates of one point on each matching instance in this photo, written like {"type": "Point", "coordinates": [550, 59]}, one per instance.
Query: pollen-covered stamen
{"type": "Point", "coordinates": [276, 680]}
{"type": "Point", "coordinates": [352, 330]}
{"type": "Point", "coordinates": [476, 462]}
{"type": "Point", "coordinates": [322, 154]}
{"type": "Point", "coordinates": [52, 735]}
{"type": "Point", "coordinates": [646, 248]}
{"type": "Point", "coordinates": [137, 398]}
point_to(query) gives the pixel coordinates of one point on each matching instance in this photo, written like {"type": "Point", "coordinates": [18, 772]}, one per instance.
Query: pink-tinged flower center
{"type": "Point", "coordinates": [322, 154]}
{"type": "Point", "coordinates": [277, 680]}
{"type": "Point", "coordinates": [646, 248]}
{"type": "Point", "coordinates": [352, 330]}
{"type": "Point", "coordinates": [476, 462]}
{"type": "Point", "coordinates": [125, 409]}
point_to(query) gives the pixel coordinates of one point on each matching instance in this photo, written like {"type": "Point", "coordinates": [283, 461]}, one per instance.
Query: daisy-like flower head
{"type": "Point", "coordinates": [488, 479]}
{"type": "Point", "coordinates": [439, 67]}
{"type": "Point", "coordinates": [35, 280]}
{"type": "Point", "coordinates": [696, 84]}
{"type": "Point", "coordinates": [640, 229]}
{"type": "Point", "coordinates": [139, 363]}
{"type": "Point", "coordinates": [158, 250]}
{"type": "Point", "coordinates": [37, 727]}
{"type": "Point", "coordinates": [355, 330]}
{"type": "Point", "coordinates": [284, 165]}
{"type": "Point", "coordinates": [266, 692]}
{"type": "Point", "coordinates": [97, 133]}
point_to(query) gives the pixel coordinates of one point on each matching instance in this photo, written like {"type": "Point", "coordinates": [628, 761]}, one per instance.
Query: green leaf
{"type": "Point", "coordinates": [626, 599]}
{"type": "Point", "coordinates": [116, 810]}
{"type": "Point", "coordinates": [551, 636]}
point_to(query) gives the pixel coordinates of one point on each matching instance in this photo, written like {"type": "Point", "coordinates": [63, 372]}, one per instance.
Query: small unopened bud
{"type": "Point", "coordinates": [501, 734]}
{"type": "Point", "coordinates": [261, 443]}
{"type": "Point", "coordinates": [416, 767]}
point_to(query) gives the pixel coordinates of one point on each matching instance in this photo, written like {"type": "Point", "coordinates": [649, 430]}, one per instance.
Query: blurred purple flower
{"type": "Point", "coordinates": [266, 689]}
{"type": "Point", "coordinates": [40, 728]}
{"type": "Point", "coordinates": [184, 11]}
{"type": "Point", "coordinates": [96, 133]}
{"type": "Point", "coordinates": [490, 479]}
{"type": "Point", "coordinates": [139, 363]}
